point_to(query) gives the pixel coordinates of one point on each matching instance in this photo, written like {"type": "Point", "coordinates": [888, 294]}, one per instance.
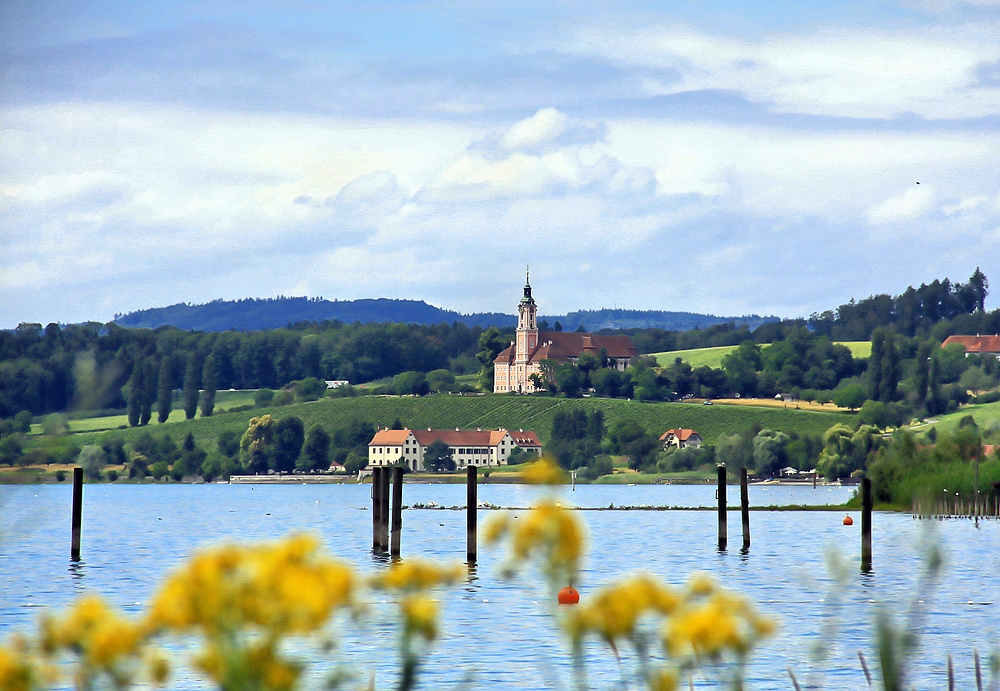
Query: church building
{"type": "Point", "coordinates": [513, 368]}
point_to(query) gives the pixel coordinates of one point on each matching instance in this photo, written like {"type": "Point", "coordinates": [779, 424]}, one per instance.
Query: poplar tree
{"type": "Point", "coordinates": [165, 390]}
{"type": "Point", "coordinates": [890, 370]}
{"type": "Point", "coordinates": [208, 385]}
{"type": "Point", "coordinates": [875, 364]}
{"type": "Point", "coordinates": [136, 391]}
{"type": "Point", "coordinates": [149, 377]}
{"type": "Point", "coordinates": [191, 386]}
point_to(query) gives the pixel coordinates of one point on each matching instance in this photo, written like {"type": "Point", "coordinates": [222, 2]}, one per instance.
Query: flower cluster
{"type": "Point", "coordinates": [554, 535]}
{"type": "Point", "coordinates": [412, 580]}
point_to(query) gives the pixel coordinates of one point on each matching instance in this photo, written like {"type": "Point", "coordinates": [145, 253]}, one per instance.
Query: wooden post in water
{"type": "Point", "coordinates": [866, 524]}
{"type": "Point", "coordinates": [376, 506]}
{"type": "Point", "coordinates": [745, 506]}
{"type": "Point", "coordinates": [77, 520]}
{"type": "Point", "coordinates": [384, 504]}
{"type": "Point", "coordinates": [723, 532]}
{"type": "Point", "coordinates": [472, 506]}
{"type": "Point", "coordinates": [397, 511]}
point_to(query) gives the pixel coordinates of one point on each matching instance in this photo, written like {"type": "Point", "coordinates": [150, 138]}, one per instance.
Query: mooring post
{"type": "Point", "coordinates": [745, 506]}
{"type": "Point", "coordinates": [376, 507]}
{"type": "Point", "coordinates": [384, 504]}
{"type": "Point", "coordinates": [472, 506]}
{"type": "Point", "coordinates": [397, 511]}
{"type": "Point", "coordinates": [723, 536]}
{"type": "Point", "coordinates": [77, 520]}
{"type": "Point", "coordinates": [866, 524]}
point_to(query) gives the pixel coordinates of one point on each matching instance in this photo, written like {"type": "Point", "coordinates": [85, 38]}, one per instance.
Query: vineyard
{"type": "Point", "coordinates": [492, 411]}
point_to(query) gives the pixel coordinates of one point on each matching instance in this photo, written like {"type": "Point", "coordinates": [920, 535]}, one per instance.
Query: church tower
{"type": "Point", "coordinates": [527, 325]}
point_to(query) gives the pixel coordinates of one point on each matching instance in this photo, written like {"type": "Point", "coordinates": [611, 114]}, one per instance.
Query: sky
{"type": "Point", "coordinates": [725, 157]}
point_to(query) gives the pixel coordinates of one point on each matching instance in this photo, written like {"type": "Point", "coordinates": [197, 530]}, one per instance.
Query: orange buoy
{"type": "Point", "coordinates": [848, 520]}
{"type": "Point", "coordinates": [568, 596]}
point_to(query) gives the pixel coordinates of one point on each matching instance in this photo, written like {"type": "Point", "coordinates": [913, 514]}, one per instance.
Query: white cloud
{"type": "Point", "coordinates": [966, 204]}
{"type": "Point", "coordinates": [543, 126]}
{"type": "Point", "coordinates": [908, 205]}
{"type": "Point", "coordinates": [837, 72]}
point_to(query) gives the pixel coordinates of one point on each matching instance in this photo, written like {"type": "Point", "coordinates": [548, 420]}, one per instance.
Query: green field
{"type": "Point", "coordinates": [224, 400]}
{"type": "Point", "coordinates": [712, 357]}
{"type": "Point", "coordinates": [492, 411]}
{"type": "Point", "coordinates": [984, 415]}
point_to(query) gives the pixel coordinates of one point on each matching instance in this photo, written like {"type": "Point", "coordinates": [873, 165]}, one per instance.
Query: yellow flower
{"type": "Point", "coordinates": [17, 673]}
{"type": "Point", "coordinates": [544, 471]}
{"type": "Point", "coordinates": [711, 627]}
{"type": "Point", "coordinates": [614, 612]}
{"type": "Point", "coordinates": [420, 615]}
{"type": "Point", "coordinates": [414, 575]}
{"type": "Point", "coordinates": [91, 628]}
{"type": "Point", "coordinates": [663, 680]}
{"type": "Point", "coordinates": [286, 586]}
{"type": "Point", "coordinates": [550, 532]}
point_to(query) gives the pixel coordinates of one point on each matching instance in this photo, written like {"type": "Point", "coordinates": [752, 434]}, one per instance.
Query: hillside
{"type": "Point", "coordinates": [260, 314]}
{"type": "Point", "coordinates": [492, 411]}
{"type": "Point", "coordinates": [712, 357]}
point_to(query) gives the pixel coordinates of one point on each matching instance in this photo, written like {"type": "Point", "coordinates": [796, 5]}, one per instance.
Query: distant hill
{"type": "Point", "coordinates": [254, 314]}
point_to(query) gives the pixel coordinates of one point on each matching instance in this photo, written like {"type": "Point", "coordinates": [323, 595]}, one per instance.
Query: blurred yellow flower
{"type": "Point", "coordinates": [286, 586]}
{"type": "Point", "coordinates": [614, 612]}
{"type": "Point", "coordinates": [548, 531]}
{"type": "Point", "coordinates": [420, 615]}
{"type": "Point", "coordinates": [91, 628]}
{"type": "Point", "coordinates": [17, 673]}
{"type": "Point", "coordinates": [544, 471]}
{"type": "Point", "coordinates": [413, 575]}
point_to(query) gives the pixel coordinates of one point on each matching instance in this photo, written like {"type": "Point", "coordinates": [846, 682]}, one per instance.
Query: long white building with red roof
{"type": "Point", "coordinates": [989, 345]}
{"type": "Point", "coordinates": [512, 368]}
{"type": "Point", "coordinates": [477, 447]}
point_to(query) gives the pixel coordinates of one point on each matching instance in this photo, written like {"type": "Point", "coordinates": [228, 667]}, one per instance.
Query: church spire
{"type": "Point", "coordinates": [527, 287]}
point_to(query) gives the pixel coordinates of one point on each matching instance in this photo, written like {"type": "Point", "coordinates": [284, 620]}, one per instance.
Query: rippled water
{"type": "Point", "coordinates": [498, 634]}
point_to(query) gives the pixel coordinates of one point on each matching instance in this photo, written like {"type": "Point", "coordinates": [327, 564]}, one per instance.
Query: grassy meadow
{"type": "Point", "coordinates": [712, 357]}
{"type": "Point", "coordinates": [488, 411]}
{"type": "Point", "coordinates": [984, 414]}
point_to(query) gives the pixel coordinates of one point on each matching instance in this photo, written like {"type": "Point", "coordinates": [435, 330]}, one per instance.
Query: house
{"type": "Point", "coordinates": [513, 368]}
{"type": "Point", "coordinates": [681, 439]}
{"type": "Point", "coordinates": [976, 345]}
{"type": "Point", "coordinates": [336, 383]}
{"type": "Point", "coordinates": [469, 447]}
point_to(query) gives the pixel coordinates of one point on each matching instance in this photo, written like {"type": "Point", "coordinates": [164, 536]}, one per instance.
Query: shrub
{"type": "Point", "coordinates": [263, 397]}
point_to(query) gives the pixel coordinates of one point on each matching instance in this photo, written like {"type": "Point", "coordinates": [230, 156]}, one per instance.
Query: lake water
{"type": "Point", "coordinates": [499, 634]}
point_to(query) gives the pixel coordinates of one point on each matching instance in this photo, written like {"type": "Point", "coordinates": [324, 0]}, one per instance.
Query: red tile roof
{"type": "Point", "coordinates": [454, 437]}
{"type": "Point", "coordinates": [560, 346]}
{"type": "Point", "coordinates": [975, 344]}
{"type": "Point", "coordinates": [682, 434]}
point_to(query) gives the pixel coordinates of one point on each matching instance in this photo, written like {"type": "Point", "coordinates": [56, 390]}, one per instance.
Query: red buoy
{"type": "Point", "coordinates": [848, 520]}
{"type": "Point", "coordinates": [568, 596]}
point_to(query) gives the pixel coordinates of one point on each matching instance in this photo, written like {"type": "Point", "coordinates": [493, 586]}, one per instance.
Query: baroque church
{"type": "Point", "coordinates": [513, 367]}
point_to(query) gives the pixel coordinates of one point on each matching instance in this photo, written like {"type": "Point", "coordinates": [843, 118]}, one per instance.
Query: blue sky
{"type": "Point", "coordinates": [722, 157]}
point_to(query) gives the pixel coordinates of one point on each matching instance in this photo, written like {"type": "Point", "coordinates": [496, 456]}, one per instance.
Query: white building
{"type": "Point", "coordinates": [469, 447]}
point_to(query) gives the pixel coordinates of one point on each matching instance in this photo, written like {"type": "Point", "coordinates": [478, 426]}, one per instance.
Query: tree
{"type": "Point", "coordinates": [255, 445]}
{"type": "Point", "coordinates": [165, 389]}
{"type": "Point", "coordinates": [191, 386]}
{"type": "Point", "coordinates": [410, 383]}
{"type": "Point", "coordinates": [769, 452]}
{"type": "Point", "coordinates": [850, 396]}
{"type": "Point", "coordinates": [317, 450]}
{"type": "Point", "coordinates": [742, 366]}
{"type": "Point", "coordinates": [734, 450]}
{"type": "Point", "coordinates": [137, 466]}
{"type": "Point", "coordinates": [310, 389]}
{"type": "Point", "coordinates": [568, 379]}
{"type": "Point", "coordinates": [93, 460]}
{"type": "Point", "coordinates": [136, 392]}
{"type": "Point", "coordinates": [289, 435]}
{"type": "Point", "coordinates": [875, 364]}
{"type": "Point", "coordinates": [921, 370]}
{"type": "Point", "coordinates": [149, 377]}
{"type": "Point", "coordinates": [980, 288]}
{"type": "Point", "coordinates": [437, 457]}
{"type": "Point", "coordinates": [228, 443]}
{"type": "Point", "coordinates": [491, 343]}
{"type": "Point", "coordinates": [440, 380]}
{"type": "Point", "coordinates": [890, 370]}
{"type": "Point", "coordinates": [262, 397]}
{"type": "Point", "coordinates": [208, 384]}
{"type": "Point", "coordinates": [975, 379]}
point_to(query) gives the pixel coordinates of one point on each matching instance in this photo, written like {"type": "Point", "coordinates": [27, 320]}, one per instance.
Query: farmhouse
{"type": "Point", "coordinates": [975, 345]}
{"type": "Point", "coordinates": [513, 368]}
{"type": "Point", "coordinates": [469, 447]}
{"type": "Point", "coordinates": [681, 439]}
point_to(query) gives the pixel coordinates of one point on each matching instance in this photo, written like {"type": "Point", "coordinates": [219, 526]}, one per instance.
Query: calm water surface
{"type": "Point", "coordinates": [498, 634]}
